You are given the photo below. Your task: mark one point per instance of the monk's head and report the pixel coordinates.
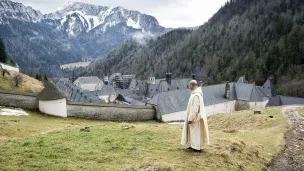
(193, 85)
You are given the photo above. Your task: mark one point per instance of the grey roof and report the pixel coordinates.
(261, 91)
(285, 100)
(133, 84)
(77, 94)
(64, 80)
(233, 95)
(137, 103)
(247, 92)
(269, 89)
(51, 92)
(274, 101)
(214, 94)
(176, 84)
(241, 80)
(88, 80)
(154, 100)
(151, 90)
(125, 92)
(106, 90)
(157, 81)
(172, 101)
(177, 100)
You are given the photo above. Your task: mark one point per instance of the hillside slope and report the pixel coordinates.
(26, 83)
(255, 38)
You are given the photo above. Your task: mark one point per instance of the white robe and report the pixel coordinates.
(195, 134)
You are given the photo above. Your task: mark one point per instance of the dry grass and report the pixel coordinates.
(75, 65)
(302, 112)
(239, 141)
(28, 84)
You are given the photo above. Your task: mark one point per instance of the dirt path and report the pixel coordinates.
(292, 158)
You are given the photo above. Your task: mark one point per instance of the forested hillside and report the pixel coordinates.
(252, 38)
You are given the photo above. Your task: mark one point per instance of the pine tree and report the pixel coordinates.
(45, 78)
(3, 55)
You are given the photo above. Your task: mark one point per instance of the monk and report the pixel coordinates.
(195, 131)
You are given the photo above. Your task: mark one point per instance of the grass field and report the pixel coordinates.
(27, 83)
(75, 65)
(239, 141)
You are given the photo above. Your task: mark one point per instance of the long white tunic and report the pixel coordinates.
(195, 134)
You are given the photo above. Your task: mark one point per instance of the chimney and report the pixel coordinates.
(193, 77)
(227, 90)
(106, 80)
(168, 75)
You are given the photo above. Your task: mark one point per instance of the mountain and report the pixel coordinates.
(73, 32)
(252, 38)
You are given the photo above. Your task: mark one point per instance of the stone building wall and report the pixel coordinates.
(110, 112)
(18, 99)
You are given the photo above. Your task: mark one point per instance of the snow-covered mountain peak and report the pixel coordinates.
(78, 17)
(15, 10)
(70, 7)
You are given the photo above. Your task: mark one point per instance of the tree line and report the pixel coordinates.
(257, 39)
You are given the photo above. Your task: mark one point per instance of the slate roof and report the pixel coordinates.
(75, 93)
(269, 89)
(88, 80)
(177, 100)
(151, 90)
(171, 101)
(247, 92)
(274, 101)
(241, 80)
(106, 90)
(137, 103)
(214, 94)
(176, 84)
(133, 84)
(51, 92)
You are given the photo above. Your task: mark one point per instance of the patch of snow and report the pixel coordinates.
(91, 20)
(104, 14)
(132, 23)
(4, 111)
(176, 123)
(108, 25)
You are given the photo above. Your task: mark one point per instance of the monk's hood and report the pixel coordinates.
(198, 91)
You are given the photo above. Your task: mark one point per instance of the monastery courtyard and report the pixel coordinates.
(239, 141)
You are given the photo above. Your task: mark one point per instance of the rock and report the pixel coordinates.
(124, 128)
(86, 129)
(257, 112)
(270, 116)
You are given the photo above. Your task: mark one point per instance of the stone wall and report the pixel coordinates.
(82, 110)
(110, 112)
(18, 99)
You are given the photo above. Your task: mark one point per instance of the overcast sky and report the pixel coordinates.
(169, 13)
